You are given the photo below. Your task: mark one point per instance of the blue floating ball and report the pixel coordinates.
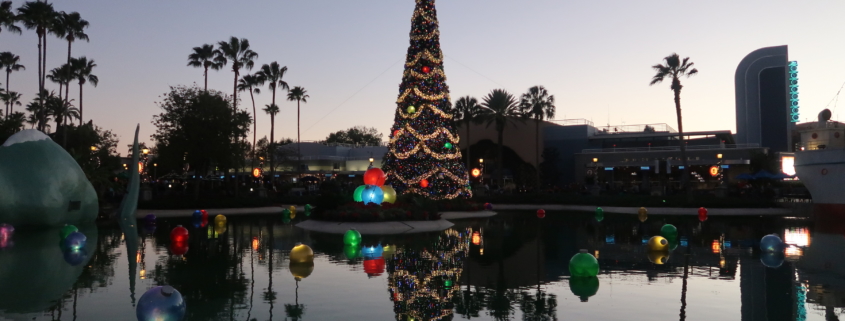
(75, 257)
(772, 259)
(161, 303)
(150, 219)
(771, 243)
(372, 194)
(197, 222)
(75, 241)
(371, 252)
(197, 215)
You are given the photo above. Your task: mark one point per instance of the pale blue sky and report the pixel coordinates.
(594, 56)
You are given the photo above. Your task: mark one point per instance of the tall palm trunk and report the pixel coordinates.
(298, 142)
(685, 178)
(40, 87)
(67, 98)
(205, 73)
(499, 175)
(537, 149)
(469, 142)
(8, 104)
(272, 149)
(80, 103)
(234, 112)
(254, 125)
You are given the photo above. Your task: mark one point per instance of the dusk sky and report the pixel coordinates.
(594, 56)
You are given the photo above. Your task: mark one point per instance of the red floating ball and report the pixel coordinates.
(204, 215)
(424, 183)
(426, 69)
(374, 176)
(541, 213)
(179, 248)
(179, 234)
(702, 214)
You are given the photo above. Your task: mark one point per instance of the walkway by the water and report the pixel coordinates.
(651, 211)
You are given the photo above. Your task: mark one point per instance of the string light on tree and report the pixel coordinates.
(423, 156)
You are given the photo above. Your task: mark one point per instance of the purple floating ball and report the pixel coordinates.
(161, 303)
(150, 219)
(75, 241)
(75, 257)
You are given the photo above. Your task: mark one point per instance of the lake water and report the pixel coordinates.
(510, 267)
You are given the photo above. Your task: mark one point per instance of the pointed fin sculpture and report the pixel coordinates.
(127, 219)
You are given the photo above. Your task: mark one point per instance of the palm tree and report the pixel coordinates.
(62, 76)
(9, 61)
(71, 26)
(674, 69)
(273, 74)
(539, 105)
(272, 110)
(467, 111)
(82, 68)
(8, 18)
(297, 94)
(61, 110)
(32, 120)
(42, 17)
(17, 120)
(251, 83)
(11, 98)
(39, 110)
(203, 57)
(241, 56)
(500, 107)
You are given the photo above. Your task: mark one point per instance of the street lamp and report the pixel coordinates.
(155, 171)
(481, 164)
(371, 163)
(595, 171)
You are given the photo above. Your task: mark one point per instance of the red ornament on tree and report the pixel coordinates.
(395, 133)
(541, 213)
(702, 214)
(374, 176)
(424, 183)
(426, 69)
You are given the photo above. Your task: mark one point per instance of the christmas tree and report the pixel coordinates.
(424, 156)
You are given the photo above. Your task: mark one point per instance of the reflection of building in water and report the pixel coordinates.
(422, 282)
(823, 268)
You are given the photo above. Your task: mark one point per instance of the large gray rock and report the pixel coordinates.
(41, 184)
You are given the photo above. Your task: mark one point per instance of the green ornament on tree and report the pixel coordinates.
(411, 109)
(583, 264)
(352, 237)
(448, 145)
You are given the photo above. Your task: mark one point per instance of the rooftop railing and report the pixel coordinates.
(638, 128)
(669, 148)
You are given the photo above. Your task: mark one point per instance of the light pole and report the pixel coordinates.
(155, 171)
(371, 163)
(481, 164)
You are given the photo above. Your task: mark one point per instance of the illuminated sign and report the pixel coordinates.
(476, 172)
(140, 167)
(787, 165)
(793, 91)
(256, 172)
(714, 170)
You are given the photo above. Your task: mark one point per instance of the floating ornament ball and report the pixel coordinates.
(204, 214)
(669, 231)
(424, 183)
(599, 214)
(541, 213)
(179, 248)
(75, 257)
(584, 287)
(301, 253)
(772, 259)
(372, 194)
(286, 219)
(75, 241)
(150, 219)
(447, 145)
(161, 303)
(658, 243)
(374, 176)
(285, 213)
(411, 109)
(389, 194)
(352, 237)
(179, 234)
(373, 251)
(220, 220)
(197, 215)
(66, 230)
(301, 270)
(642, 214)
(197, 222)
(771, 243)
(426, 69)
(356, 196)
(583, 264)
(6, 232)
(702, 214)
(220, 228)
(658, 257)
(292, 210)
(374, 266)
(308, 208)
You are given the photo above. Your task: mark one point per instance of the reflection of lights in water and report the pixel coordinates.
(476, 238)
(722, 262)
(793, 252)
(255, 244)
(715, 246)
(597, 254)
(481, 251)
(138, 257)
(797, 236)
(143, 274)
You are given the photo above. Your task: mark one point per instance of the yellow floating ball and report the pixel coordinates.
(389, 194)
(658, 257)
(220, 228)
(642, 214)
(292, 211)
(658, 243)
(220, 220)
(301, 253)
(301, 270)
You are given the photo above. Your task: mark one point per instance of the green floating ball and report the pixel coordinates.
(584, 287)
(352, 251)
(583, 264)
(448, 145)
(599, 214)
(669, 231)
(286, 213)
(66, 230)
(356, 196)
(308, 209)
(352, 237)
